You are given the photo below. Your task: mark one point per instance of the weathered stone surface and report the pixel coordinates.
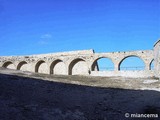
(157, 58)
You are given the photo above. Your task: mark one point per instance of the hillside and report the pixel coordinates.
(30, 96)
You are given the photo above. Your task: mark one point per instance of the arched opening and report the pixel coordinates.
(22, 66)
(78, 67)
(9, 65)
(151, 66)
(42, 67)
(102, 64)
(58, 67)
(132, 63)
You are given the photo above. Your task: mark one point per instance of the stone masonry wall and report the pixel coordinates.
(84, 62)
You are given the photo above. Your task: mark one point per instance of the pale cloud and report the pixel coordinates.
(43, 42)
(44, 39)
(46, 36)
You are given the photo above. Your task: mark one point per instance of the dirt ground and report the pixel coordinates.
(30, 96)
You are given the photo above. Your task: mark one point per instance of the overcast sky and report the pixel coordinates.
(46, 26)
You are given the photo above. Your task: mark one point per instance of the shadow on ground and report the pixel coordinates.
(24, 98)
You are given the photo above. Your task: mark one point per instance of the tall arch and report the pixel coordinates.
(78, 67)
(151, 65)
(131, 62)
(9, 65)
(41, 67)
(58, 67)
(102, 63)
(22, 66)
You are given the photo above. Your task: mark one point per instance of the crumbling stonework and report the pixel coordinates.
(84, 63)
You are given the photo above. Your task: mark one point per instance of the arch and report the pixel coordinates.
(41, 67)
(151, 65)
(22, 66)
(78, 67)
(100, 63)
(58, 67)
(132, 62)
(9, 65)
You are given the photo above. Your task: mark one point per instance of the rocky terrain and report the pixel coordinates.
(31, 96)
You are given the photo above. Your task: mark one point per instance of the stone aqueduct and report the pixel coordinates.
(84, 63)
